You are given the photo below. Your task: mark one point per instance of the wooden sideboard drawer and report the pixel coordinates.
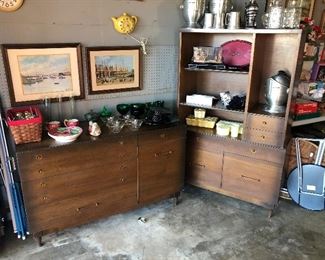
(89, 179)
(204, 168)
(264, 137)
(251, 180)
(162, 136)
(266, 123)
(67, 160)
(82, 209)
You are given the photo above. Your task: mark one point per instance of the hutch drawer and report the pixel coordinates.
(207, 143)
(251, 179)
(264, 137)
(266, 123)
(257, 151)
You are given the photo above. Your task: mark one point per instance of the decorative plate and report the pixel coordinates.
(65, 134)
(236, 53)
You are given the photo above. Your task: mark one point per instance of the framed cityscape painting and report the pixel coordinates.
(38, 71)
(113, 69)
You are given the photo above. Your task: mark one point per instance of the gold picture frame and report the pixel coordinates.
(113, 69)
(36, 71)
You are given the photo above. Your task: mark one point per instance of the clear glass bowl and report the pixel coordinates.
(115, 125)
(135, 124)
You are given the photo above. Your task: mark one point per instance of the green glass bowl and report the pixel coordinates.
(123, 109)
(137, 109)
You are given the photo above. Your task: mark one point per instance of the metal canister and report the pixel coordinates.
(193, 10)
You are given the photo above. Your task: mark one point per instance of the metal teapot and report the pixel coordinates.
(276, 92)
(125, 23)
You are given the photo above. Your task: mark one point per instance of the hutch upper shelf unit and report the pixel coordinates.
(248, 167)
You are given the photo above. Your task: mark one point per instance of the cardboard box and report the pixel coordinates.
(201, 100)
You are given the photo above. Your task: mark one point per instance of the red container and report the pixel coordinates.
(25, 130)
(305, 107)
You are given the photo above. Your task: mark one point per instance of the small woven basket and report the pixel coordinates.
(25, 130)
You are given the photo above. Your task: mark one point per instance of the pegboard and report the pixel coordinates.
(159, 78)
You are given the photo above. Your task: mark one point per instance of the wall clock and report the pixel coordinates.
(10, 5)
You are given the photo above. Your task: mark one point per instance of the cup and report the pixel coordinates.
(234, 131)
(52, 125)
(71, 122)
(208, 20)
(218, 21)
(233, 20)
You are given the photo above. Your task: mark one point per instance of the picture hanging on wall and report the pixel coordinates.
(36, 71)
(113, 69)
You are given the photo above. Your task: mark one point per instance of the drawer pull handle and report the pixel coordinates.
(78, 209)
(38, 157)
(263, 137)
(97, 204)
(253, 150)
(40, 171)
(43, 185)
(123, 167)
(199, 165)
(250, 178)
(264, 122)
(170, 152)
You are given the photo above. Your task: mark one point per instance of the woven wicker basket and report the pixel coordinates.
(28, 130)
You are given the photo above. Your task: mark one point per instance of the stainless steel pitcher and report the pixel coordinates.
(220, 6)
(193, 10)
(233, 20)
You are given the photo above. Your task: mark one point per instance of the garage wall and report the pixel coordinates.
(89, 22)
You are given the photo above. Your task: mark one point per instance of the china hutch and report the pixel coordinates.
(249, 167)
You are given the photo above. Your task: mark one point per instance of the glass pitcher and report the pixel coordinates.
(275, 14)
(292, 15)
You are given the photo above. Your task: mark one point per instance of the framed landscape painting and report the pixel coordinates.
(113, 69)
(36, 71)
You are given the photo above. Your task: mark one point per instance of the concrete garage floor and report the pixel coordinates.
(204, 225)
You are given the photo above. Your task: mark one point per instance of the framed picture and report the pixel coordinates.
(36, 71)
(113, 69)
(318, 72)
